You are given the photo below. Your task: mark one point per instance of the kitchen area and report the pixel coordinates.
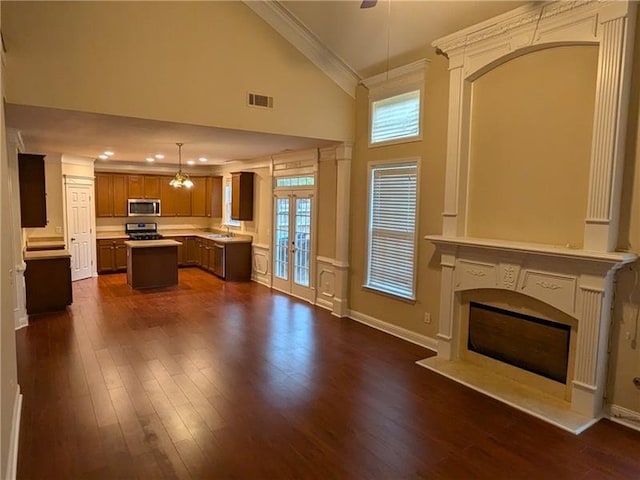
(143, 226)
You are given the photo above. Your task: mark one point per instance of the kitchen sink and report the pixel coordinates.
(218, 235)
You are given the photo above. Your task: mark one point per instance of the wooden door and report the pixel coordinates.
(191, 250)
(199, 197)
(104, 195)
(120, 255)
(106, 262)
(79, 238)
(120, 195)
(152, 186)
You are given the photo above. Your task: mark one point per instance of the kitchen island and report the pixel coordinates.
(152, 263)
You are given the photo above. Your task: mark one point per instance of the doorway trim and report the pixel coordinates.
(77, 180)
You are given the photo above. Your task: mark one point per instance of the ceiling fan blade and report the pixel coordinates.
(368, 3)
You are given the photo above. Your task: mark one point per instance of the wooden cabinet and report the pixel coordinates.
(144, 186)
(48, 284)
(111, 195)
(242, 196)
(112, 256)
(236, 261)
(214, 197)
(175, 202)
(181, 250)
(199, 197)
(33, 199)
(191, 252)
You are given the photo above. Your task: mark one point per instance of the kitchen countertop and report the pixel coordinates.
(45, 243)
(180, 233)
(46, 254)
(151, 243)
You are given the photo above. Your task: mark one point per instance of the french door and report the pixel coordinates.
(293, 243)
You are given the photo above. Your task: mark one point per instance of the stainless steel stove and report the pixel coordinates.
(142, 231)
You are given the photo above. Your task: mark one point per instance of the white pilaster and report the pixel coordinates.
(341, 265)
(447, 349)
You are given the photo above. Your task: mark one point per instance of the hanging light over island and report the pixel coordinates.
(181, 179)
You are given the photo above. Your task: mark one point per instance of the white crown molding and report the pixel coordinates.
(294, 31)
(77, 160)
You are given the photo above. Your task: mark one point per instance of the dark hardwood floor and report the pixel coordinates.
(232, 381)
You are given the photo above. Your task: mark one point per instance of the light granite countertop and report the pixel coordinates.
(182, 233)
(45, 243)
(151, 243)
(46, 254)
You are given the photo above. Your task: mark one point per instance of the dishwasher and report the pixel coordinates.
(218, 260)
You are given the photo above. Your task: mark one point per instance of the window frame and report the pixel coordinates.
(371, 166)
(388, 94)
(227, 221)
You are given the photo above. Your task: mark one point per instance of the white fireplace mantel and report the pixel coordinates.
(578, 282)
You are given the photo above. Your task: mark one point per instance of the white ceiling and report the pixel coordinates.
(360, 37)
(357, 36)
(48, 130)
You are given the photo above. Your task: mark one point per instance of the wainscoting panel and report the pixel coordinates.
(261, 264)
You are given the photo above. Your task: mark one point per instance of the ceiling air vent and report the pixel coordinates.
(262, 101)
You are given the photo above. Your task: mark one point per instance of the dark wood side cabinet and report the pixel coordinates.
(214, 197)
(48, 281)
(242, 196)
(33, 197)
(112, 255)
(236, 261)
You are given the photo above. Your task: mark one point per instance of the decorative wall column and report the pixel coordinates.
(341, 265)
(15, 146)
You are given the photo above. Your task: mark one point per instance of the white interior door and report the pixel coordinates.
(293, 245)
(79, 230)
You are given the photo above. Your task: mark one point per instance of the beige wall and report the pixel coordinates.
(327, 191)
(432, 150)
(187, 62)
(532, 120)
(8, 370)
(55, 209)
(625, 356)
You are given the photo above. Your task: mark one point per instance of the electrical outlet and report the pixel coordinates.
(427, 317)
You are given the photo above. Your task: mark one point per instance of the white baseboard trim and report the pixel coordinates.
(261, 280)
(14, 442)
(624, 416)
(21, 320)
(396, 331)
(324, 303)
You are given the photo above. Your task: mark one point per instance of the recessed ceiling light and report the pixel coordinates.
(103, 156)
(202, 159)
(151, 159)
(191, 162)
(159, 156)
(108, 153)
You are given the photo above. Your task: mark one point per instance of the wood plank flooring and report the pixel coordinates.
(233, 381)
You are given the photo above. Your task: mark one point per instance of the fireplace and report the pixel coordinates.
(577, 282)
(531, 343)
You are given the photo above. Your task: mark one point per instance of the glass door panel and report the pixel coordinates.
(302, 242)
(281, 260)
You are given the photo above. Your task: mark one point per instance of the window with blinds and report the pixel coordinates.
(396, 117)
(391, 253)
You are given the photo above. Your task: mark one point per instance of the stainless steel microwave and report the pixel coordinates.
(143, 207)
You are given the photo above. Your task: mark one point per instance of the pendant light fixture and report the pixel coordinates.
(181, 179)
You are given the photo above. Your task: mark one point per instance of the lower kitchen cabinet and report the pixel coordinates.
(47, 281)
(181, 250)
(112, 256)
(233, 261)
(191, 252)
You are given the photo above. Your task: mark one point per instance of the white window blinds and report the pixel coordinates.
(392, 229)
(396, 117)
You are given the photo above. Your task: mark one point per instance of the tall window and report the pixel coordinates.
(396, 118)
(227, 205)
(391, 252)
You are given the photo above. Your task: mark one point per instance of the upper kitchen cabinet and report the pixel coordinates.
(199, 197)
(144, 186)
(33, 201)
(111, 195)
(175, 202)
(214, 197)
(242, 196)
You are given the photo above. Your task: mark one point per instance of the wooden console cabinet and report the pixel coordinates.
(48, 281)
(33, 197)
